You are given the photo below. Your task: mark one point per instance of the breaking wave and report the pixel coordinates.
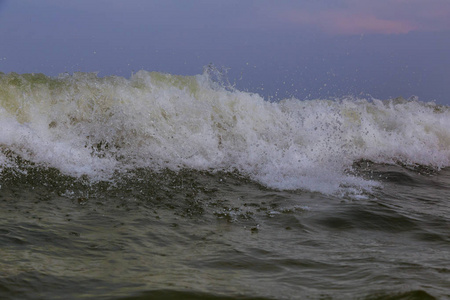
(101, 127)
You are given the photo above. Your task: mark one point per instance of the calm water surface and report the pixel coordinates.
(194, 235)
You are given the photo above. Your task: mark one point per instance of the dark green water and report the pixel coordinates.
(194, 235)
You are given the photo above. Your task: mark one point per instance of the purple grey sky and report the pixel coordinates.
(306, 48)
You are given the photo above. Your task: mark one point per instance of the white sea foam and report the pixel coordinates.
(83, 124)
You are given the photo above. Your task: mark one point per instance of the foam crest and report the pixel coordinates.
(82, 124)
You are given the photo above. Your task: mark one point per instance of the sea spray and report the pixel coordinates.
(85, 125)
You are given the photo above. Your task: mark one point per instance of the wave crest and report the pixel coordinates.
(82, 124)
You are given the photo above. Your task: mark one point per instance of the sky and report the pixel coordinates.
(306, 48)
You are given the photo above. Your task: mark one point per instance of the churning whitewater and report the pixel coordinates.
(85, 125)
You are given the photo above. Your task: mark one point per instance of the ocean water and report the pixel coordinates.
(181, 187)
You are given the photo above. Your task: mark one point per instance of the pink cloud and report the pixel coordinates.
(341, 22)
(350, 17)
(368, 16)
